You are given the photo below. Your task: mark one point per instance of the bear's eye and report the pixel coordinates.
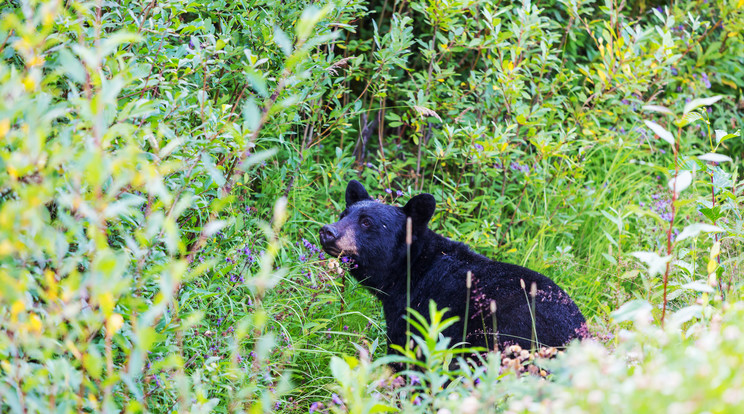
(365, 222)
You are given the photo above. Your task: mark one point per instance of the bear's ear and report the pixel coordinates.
(420, 209)
(355, 192)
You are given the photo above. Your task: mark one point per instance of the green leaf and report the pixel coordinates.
(655, 264)
(310, 17)
(688, 118)
(93, 363)
(697, 103)
(114, 40)
(382, 408)
(695, 229)
(71, 66)
(630, 274)
(723, 136)
(632, 310)
(251, 115)
(658, 108)
(713, 157)
(713, 214)
(212, 169)
(341, 371)
(680, 182)
(213, 227)
(281, 40)
(686, 314)
(257, 158)
(610, 259)
(698, 286)
(170, 232)
(201, 96)
(257, 82)
(660, 131)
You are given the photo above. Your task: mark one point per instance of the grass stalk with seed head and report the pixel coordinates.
(409, 241)
(530, 303)
(533, 303)
(495, 326)
(468, 282)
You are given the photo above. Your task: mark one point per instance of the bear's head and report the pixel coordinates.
(373, 234)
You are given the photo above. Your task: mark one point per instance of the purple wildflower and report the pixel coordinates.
(706, 81)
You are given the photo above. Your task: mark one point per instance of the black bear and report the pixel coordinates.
(374, 234)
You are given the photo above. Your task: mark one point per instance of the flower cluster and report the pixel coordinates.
(660, 206)
(515, 166)
(703, 79)
(312, 250)
(398, 193)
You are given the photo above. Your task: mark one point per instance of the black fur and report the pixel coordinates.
(373, 235)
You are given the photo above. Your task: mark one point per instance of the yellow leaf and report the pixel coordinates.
(35, 61)
(29, 83)
(6, 248)
(51, 284)
(4, 127)
(715, 250)
(113, 324)
(106, 300)
(602, 76)
(18, 307)
(35, 323)
(509, 66)
(12, 172)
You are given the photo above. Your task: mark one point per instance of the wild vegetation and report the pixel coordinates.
(165, 167)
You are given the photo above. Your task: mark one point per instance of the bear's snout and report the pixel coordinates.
(328, 234)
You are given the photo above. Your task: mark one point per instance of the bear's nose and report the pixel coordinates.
(328, 234)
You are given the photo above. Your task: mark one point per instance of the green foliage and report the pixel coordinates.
(165, 167)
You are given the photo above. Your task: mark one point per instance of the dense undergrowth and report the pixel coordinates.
(165, 167)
